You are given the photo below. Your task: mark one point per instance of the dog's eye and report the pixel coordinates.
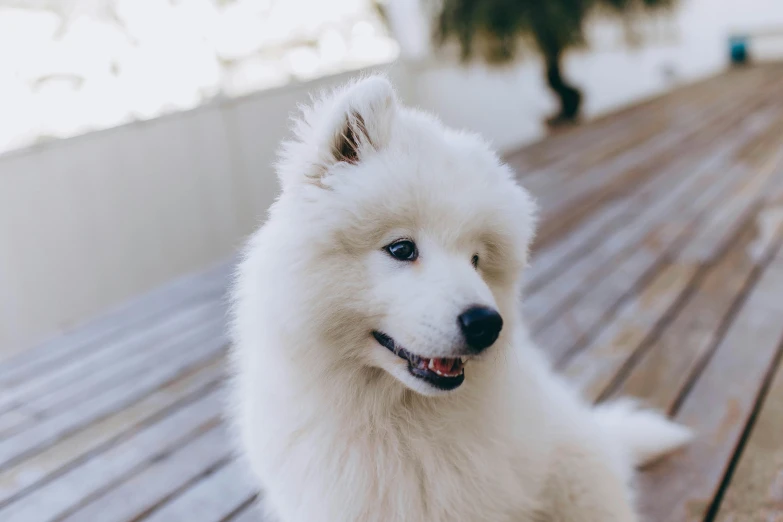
(475, 261)
(404, 250)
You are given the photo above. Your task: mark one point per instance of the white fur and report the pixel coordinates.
(334, 426)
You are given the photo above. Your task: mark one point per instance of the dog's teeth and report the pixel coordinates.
(431, 366)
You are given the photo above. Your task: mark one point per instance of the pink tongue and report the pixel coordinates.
(446, 366)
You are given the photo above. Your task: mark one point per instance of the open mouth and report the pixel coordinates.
(440, 372)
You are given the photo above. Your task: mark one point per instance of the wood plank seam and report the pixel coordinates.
(113, 484)
(145, 343)
(46, 355)
(125, 435)
(649, 340)
(33, 446)
(210, 470)
(698, 278)
(734, 310)
(8, 378)
(617, 120)
(677, 244)
(26, 443)
(247, 506)
(647, 362)
(123, 460)
(551, 230)
(737, 305)
(714, 508)
(132, 368)
(654, 213)
(681, 489)
(648, 275)
(52, 463)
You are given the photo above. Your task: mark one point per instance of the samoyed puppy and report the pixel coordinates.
(383, 371)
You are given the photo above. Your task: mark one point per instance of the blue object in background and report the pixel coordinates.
(738, 49)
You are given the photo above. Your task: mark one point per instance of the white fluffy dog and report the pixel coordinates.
(383, 369)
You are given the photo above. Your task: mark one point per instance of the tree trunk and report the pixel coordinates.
(570, 97)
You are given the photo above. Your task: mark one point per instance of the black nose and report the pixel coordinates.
(480, 326)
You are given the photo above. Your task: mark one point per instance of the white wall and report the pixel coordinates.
(88, 222)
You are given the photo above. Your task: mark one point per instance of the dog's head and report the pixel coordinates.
(400, 242)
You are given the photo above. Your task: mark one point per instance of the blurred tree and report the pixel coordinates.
(495, 30)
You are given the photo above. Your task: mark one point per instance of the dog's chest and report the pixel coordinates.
(402, 475)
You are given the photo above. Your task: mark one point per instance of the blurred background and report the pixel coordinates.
(136, 136)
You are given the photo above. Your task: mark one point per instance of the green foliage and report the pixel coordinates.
(495, 29)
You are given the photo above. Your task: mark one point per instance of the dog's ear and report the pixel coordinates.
(346, 126)
(362, 120)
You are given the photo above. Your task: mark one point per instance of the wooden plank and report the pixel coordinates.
(594, 367)
(614, 152)
(592, 307)
(12, 421)
(595, 306)
(551, 259)
(575, 161)
(577, 202)
(557, 145)
(557, 191)
(216, 497)
(95, 438)
(47, 432)
(542, 304)
(681, 489)
(666, 366)
(588, 233)
(126, 318)
(560, 198)
(68, 491)
(720, 223)
(151, 356)
(755, 492)
(671, 104)
(251, 513)
(667, 363)
(116, 352)
(162, 480)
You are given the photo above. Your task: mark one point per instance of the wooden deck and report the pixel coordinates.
(658, 273)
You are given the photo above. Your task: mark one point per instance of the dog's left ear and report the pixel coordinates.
(362, 120)
(345, 126)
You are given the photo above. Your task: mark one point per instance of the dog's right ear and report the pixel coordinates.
(345, 126)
